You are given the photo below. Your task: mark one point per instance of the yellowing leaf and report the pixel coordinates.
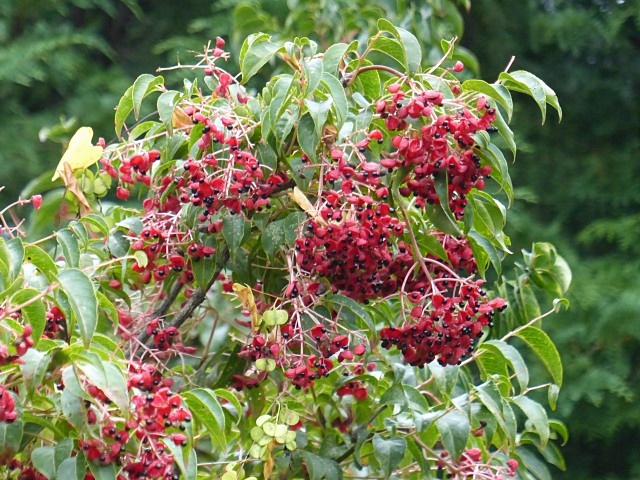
(303, 202)
(81, 153)
(245, 295)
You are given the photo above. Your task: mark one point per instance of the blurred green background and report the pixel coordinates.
(66, 61)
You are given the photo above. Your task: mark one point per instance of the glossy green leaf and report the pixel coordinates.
(362, 316)
(483, 251)
(533, 464)
(32, 310)
(495, 92)
(82, 297)
(313, 69)
(560, 428)
(536, 415)
(132, 98)
(412, 50)
(544, 349)
(69, 245)
(489, 396)
(515, 360)
(143, 86)
(339, 106)
(389, 452)
(454, 428)
(256, 51)
(231, 400)
(205, 407)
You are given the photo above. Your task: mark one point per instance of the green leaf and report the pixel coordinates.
(34, 367)
(340, 106)
(483, 250)
(319, 112)
(233, 232)
(454, 428)
(143, 86)
(43, 461)
(394, 396)
(536, 415)
(389, 452)
(558, 427)
(332, 58)
(12, 255)
(204, 405)
(544, 349)
(320, 467)
(70, 249)
(513, 356)
(412, 50)
(103, 472)
(496, 92)
(43, 262)
(232, 400)
(73, 468)
(47, 459)
(307, 137)
(132, 98)
(489, 396)
(313, 69)
(533, 464)
(166, 105)
(34, 312)
(82, 298)
(357, 309)
(106, 376)
(256, 51)
(527, 83)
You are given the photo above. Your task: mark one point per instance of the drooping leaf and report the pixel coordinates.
(536, 415)
(82, 297)
(545, 350)
(32, 310)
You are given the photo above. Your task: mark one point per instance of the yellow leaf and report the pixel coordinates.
(303, 202)
(81, 153)
(245, 295)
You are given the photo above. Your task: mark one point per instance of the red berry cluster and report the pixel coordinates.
(443, 146)
(167, 253)
(165, 338)
(157, 414)
(352, 248)
(7, 406)
(232, 179)
(132, 170)
(445, 329)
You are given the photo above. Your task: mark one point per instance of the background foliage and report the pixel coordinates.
(579, 176)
